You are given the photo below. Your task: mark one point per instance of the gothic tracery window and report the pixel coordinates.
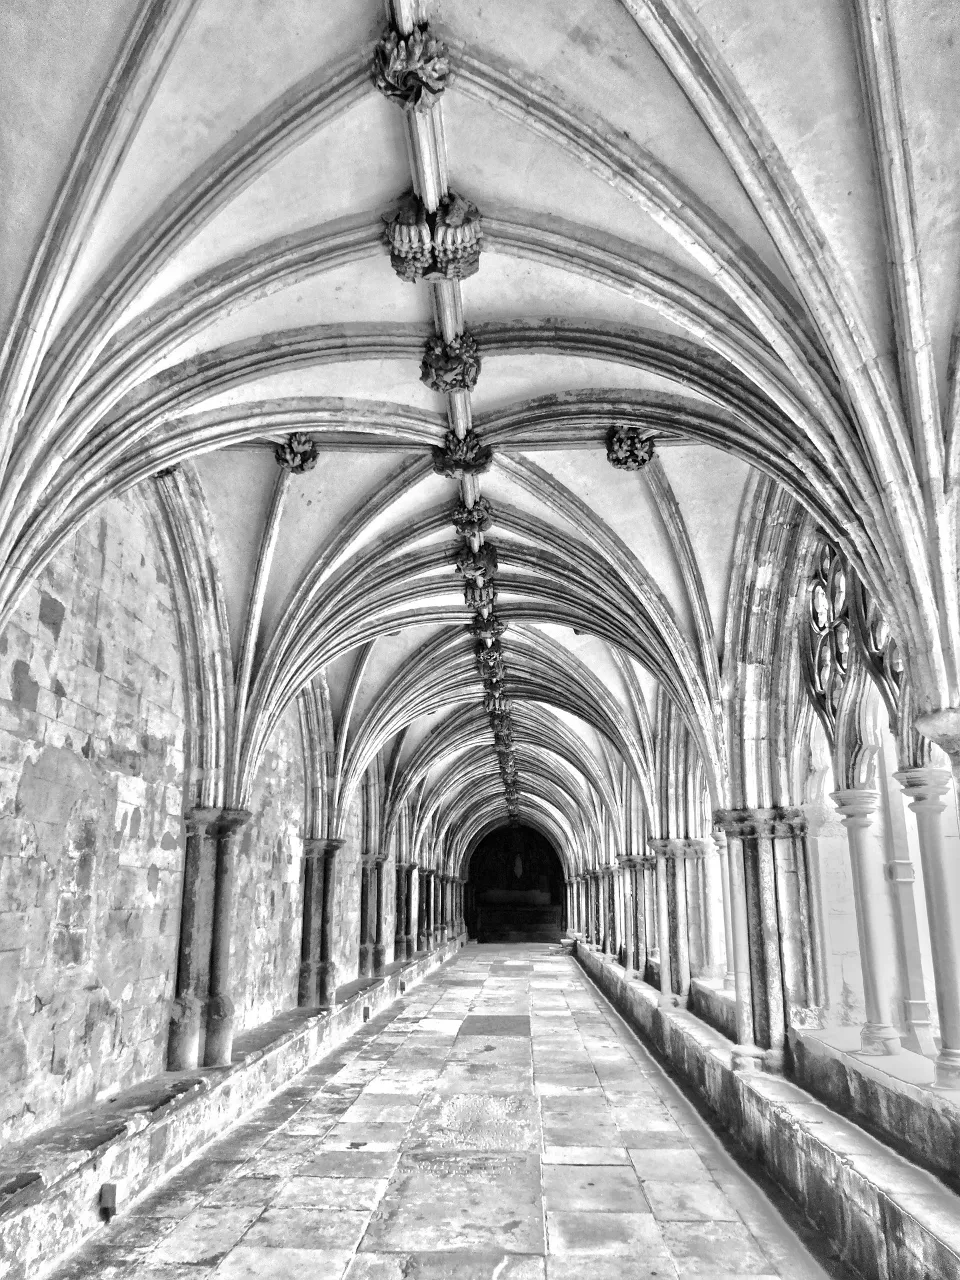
(828, 632)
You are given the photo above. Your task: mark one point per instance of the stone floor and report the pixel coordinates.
(498, 1122)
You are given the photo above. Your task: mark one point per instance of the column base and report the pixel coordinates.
(221, 1016)
(747, 1057)
(379, 961)
(186, 1021)
(878, 1041)
(947, 1066)
(366, 960)
(328, 984)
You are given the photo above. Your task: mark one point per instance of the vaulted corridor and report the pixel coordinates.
(500, 1122)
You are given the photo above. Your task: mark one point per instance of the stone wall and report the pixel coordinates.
(269, 884)
(91, 770)
(346, 909)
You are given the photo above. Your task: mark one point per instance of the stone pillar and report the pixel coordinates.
(218, 1048)
(941, 883)
(409, 916)
(675, 854)
(193, 955)
(629, 899)
(857, 809)
(399, 913)
(648, 879)
(423, 920)
(720, 839)
(714, 959)
(435, 908)
(606, 911)
(308, 993)
(771, 847)
(690, 878)
(329, 977)
(659, 848)
(445, 912)
(365, 964)
(380, 902)
(901, 879)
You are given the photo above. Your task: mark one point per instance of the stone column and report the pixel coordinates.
(690, 877)
(770, 846)
(365, 964)
(648, 878)
(329, 977)
(628, 894)
(218, 1048)
(399, 913)
(607, 910)
(675, 853)
(659, 848)
(409, 918)
(857, 809)
(193, 955)
(713, 955)
(941, 883)
(308, 994)
(720, 839)
(380, 900)
(422, 911)
(445, 913)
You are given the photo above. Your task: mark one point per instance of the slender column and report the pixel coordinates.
(857, 809)
(689, 878)
(629, 949)
(606, 914)
(941, 883)
(187, 1014)
(380, 900)
(677, 907)
(648, 872)
(659, 848)
(409, 916)
(714, 962)
(435, 907)
(308, 994)
(399, 912)
(221, 1012)
(901, 878)
(365, 965)
(771, 849)
(422, 914)
(720, 839)
(329, 978)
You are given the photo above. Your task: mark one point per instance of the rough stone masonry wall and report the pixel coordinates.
(269, 884)
(91, 846)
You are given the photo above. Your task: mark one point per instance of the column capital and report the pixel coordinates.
(660, 848)
(856, 806)
(924, 787)
(231, 820)
(771, 823)
(200, 819)
(628, 859)
(694, 848)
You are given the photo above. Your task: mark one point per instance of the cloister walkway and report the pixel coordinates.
(500, 1121)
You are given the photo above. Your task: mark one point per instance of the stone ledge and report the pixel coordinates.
(53, 1182)
(885, 1216)
(710, 1001)
(921, 1122)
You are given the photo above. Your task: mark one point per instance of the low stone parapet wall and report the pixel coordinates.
(50, 1187)
(885, 1216)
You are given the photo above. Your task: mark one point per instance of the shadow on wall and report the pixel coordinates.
(514, 888)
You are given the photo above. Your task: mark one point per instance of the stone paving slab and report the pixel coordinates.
(464, 1139)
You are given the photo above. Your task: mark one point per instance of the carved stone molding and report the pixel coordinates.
(774, 823)
(450, 366)
(456, 455)
(480, 596)
(488, 630)
(297, 454)
(490, 662)
(495, 701)
(476, 519)
(478, 566)
(411, 70)
(628, 448)
(444, 245)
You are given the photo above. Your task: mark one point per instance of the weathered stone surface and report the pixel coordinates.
(91, 769)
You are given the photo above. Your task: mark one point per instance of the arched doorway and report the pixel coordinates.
(515, 888)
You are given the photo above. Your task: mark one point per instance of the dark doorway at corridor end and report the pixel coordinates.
(515, 888)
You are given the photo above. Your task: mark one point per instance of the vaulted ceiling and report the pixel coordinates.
(711, 225)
